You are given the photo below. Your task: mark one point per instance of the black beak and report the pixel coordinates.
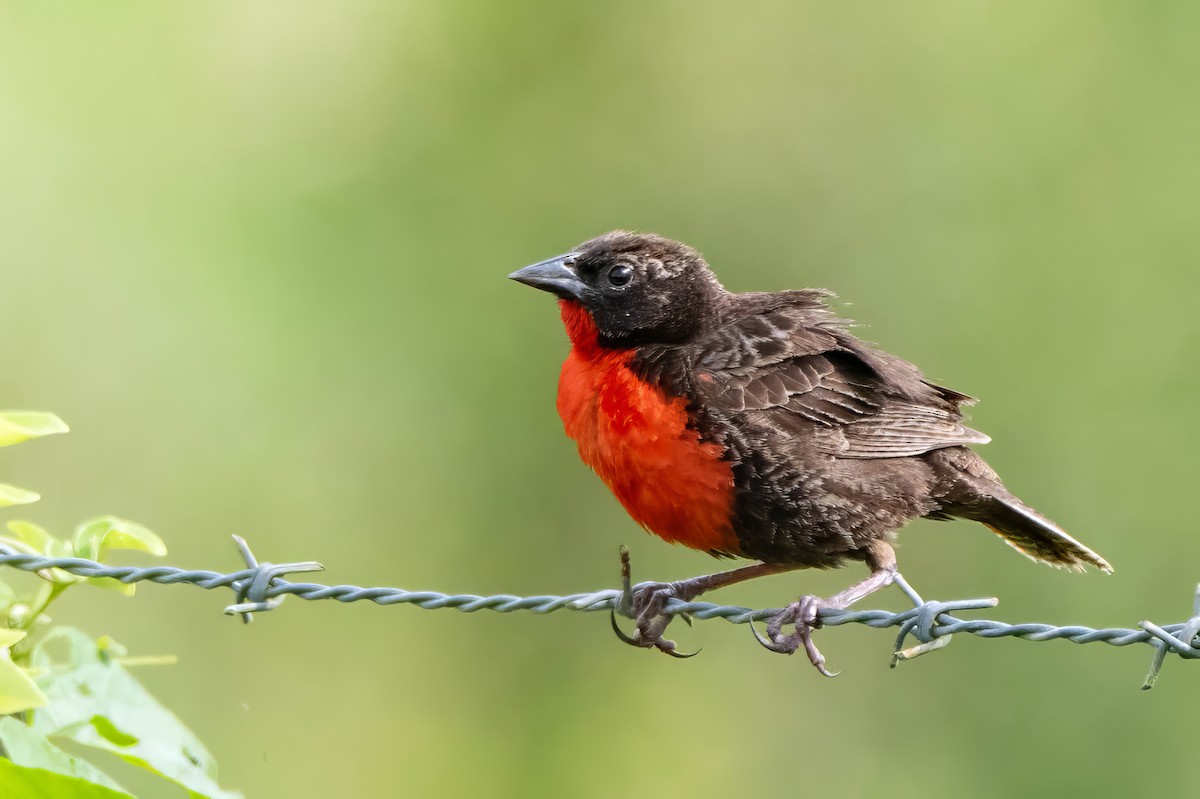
(555, 276)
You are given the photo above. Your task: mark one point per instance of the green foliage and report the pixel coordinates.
(18, 426)
(83, 694)
(18, 692)
(11, 495)
(34, 750)
(22, 782)
(93, 540)
(95, 701)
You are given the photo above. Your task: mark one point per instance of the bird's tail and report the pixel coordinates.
(1032, 534)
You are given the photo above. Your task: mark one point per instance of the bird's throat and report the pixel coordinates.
(582, 331)
(637, 438)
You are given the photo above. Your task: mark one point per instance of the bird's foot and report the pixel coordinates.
(644, 603)
(803, 617)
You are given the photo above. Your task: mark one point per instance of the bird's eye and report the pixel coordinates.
(620, 275)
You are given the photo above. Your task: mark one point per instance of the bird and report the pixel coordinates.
(756, 425)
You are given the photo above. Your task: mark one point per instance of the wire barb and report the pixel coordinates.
(1182, 643)
(252, 594)
(260, 587)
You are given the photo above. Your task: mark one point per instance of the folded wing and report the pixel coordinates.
(793, 361)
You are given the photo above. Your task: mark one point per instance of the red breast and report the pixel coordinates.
(638, 440)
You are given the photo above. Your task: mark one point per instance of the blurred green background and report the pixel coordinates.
(254, 253)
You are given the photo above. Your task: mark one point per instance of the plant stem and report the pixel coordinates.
(49, 592)
(47, 595)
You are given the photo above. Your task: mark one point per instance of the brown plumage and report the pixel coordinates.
(798, 444)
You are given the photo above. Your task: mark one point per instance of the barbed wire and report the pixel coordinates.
(260, 587)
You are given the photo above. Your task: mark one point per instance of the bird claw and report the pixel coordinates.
(662, 644)
(631, 640)
(782, 648)
(647, 605)
(802, 615)
(644, 603)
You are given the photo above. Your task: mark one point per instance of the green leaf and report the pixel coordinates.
(27, 537)
(96, 702)
(18, 426)
(10, 637)
(36, 539)
(27, 748)
(34, 783)
(11, 495)
(112, 584)
(17, 691)
(95, 537)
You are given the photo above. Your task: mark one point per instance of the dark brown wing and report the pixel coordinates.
(787, 355)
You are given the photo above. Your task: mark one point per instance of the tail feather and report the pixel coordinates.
(1032, 534)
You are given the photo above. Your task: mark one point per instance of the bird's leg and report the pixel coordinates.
(645, 602)
(804, 616)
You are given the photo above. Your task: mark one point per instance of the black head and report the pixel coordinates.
(639, 288)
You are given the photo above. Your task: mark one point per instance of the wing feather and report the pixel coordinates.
(796, 360)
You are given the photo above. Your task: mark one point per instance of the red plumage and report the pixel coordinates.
(639, 441)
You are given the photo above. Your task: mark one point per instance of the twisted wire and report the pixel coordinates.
(260, 587)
